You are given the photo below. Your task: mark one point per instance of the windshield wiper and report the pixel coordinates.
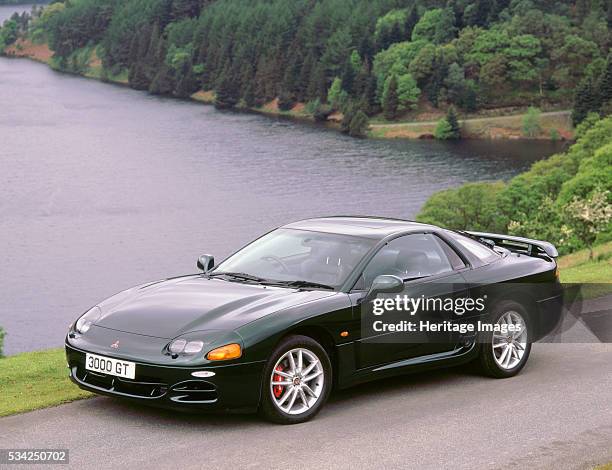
(262, 280)
(243, 276)
(300, 283)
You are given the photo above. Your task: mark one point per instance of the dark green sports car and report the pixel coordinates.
(314, 304)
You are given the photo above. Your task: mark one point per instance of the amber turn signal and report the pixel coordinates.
(229, 351)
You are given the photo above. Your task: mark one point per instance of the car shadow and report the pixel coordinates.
(340, 400)
(406, 382)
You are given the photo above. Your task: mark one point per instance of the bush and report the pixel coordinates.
(336, 96)
(554, 135)
(318, 110)
(312, 106)
(348, 113)
(443, 130)
(448, 127)
(473, 206)
(453, 120)
(359, 124)
(321, 113)
(586, 124)
(2, 335)
(531, 122)
(589, 217)
(286, 101)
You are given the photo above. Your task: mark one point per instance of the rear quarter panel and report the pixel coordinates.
(530, 281)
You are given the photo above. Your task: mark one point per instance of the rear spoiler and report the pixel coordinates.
(519, 244)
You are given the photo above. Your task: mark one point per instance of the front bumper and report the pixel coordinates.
(233, 387)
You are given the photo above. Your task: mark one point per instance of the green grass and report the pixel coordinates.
(595, 273)
(606, 466)
(577, 267)
(475, 126)
(590, 272)
(34, 380)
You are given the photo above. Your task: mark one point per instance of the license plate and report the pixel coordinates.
(108, 365)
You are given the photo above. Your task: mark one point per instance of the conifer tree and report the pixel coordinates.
(249, 95)
(605, 84)
(584, 101)
(390, 101)
(347, 116)
(188, 84)
(453, 121)
(226, 94)
(359, 124)
(411, 20)
(138, 78)
(163, 82)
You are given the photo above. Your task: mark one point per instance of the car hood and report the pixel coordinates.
(167, 309)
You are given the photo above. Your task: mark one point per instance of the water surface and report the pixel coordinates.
(103, 187)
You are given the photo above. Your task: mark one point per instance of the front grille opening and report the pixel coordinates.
(140, 389)
(98, 380)
(194, 391)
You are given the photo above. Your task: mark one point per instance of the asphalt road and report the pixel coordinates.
(556, 414)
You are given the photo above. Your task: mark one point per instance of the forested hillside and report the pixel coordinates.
(377, 56)
(565, 199)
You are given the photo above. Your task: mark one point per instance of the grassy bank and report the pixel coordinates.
(595, 273)
(555, 124)
(34, 380)
(577, 267)
(90, 63)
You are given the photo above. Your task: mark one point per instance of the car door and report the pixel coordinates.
(431, 269)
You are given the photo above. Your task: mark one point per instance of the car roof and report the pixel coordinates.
(360, 226)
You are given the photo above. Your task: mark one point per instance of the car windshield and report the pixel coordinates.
(298, 256)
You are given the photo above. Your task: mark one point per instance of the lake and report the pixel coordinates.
(103, 187)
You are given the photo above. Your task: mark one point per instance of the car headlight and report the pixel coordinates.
(84, 323)
(182, 346)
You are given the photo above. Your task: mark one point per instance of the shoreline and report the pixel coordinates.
(555, 125)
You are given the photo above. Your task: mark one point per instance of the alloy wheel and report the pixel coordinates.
(509, 348)
(296, 382)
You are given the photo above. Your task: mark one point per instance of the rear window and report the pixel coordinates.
(477, 249)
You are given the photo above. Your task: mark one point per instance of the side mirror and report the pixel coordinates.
(385, 284)
(206, 262)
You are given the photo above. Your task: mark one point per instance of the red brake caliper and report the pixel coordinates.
(278, 389)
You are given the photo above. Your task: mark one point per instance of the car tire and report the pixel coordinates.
(301, 391)
(503, 356)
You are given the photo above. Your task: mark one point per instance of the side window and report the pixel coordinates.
(477, 249)
(410, 256)
(455, 260)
